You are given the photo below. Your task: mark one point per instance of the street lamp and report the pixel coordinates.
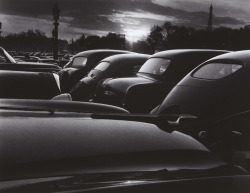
(0, 28)
(56, 13)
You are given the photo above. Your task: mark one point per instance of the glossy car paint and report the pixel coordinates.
(120, 65)
(48, 149)
(71, 75)
(130, 92)
(204, 97)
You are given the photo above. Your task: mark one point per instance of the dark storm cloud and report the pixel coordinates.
(109, 15)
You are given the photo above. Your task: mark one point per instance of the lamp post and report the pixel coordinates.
(0, 28)
(56, 12)
(53, 42)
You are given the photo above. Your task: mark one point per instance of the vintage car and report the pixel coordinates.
(81, 64)
(153, 81)
(121, 65)
(218, 86)
(49, 148)
(7, 62)
(28, 85)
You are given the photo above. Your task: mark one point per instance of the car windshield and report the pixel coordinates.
(213, 71)
(156, 66)
(102, 66)
(79, 62)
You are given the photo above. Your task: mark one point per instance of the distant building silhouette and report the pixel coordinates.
(210, 19)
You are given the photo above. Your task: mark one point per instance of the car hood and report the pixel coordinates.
(121, 85)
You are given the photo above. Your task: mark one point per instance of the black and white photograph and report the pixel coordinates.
(124, 96)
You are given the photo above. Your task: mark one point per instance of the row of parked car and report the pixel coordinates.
(113, 120)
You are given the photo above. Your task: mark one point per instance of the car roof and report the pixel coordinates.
(126, 57)
(172, 54)
(99, 51)
(243, 55)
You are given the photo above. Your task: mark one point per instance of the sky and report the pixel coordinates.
(134, 18)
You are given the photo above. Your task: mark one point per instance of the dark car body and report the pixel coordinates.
(45, 148)
(218, 86)
(121, 65)
(153, 81)
(7, 62)
(81, 64)
(28, 85)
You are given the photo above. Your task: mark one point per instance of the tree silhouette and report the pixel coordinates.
(155, 37)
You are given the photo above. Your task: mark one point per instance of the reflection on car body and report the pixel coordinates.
(154, 80)
(75, 151)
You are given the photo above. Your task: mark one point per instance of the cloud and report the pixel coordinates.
(222, 8)
(131, 17)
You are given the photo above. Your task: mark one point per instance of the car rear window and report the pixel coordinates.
(102, 66)
(214, 71)
(79, 62)
(156, 66)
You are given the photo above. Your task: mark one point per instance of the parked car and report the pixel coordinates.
(81, 64)
(7, 62)
(121, 65)
(218, 86)
(28, 85)
(46, 150)
(153, 81)
(226, 135)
